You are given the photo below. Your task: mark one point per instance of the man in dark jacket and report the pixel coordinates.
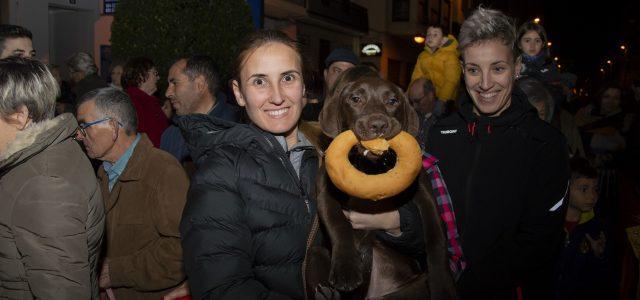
(507, 171)
(338, 61)
(193, 89)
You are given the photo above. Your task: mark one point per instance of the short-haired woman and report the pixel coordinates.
(51, 212)
(506, 170)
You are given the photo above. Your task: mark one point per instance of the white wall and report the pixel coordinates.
(70, 31)
(32, 14)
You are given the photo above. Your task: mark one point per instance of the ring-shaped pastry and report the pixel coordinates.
(378, 186)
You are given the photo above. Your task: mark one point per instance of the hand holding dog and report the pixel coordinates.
(387, 221)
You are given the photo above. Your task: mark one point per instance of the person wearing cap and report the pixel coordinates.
(338, 61)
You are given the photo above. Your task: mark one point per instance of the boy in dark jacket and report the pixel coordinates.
(583, 268)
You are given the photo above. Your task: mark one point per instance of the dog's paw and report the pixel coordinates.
(326, 293)
(346, 274)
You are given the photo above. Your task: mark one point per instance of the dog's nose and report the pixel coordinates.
(378, 126)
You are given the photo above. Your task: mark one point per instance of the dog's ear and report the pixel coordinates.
(330, 117)
(410, 121)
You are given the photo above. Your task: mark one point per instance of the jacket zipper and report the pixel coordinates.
(291, 171)
(297, 181)
(312, 235)
(472, 170)
(315, 225)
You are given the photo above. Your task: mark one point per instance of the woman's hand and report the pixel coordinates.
(387, 221)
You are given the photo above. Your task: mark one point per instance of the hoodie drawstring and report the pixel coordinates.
(471, 128)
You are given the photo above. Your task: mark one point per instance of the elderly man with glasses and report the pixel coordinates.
(144, 190)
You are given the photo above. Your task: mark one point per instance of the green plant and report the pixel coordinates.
(164, 30)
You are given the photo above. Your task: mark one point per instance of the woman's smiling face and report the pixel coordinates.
(489, 76)
(271, 88)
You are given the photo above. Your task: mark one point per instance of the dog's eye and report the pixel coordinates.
(392, 101)
(355, 99)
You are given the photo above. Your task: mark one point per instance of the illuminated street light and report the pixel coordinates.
(548, 44)
(418, 38)
(602, 70)
(536, 20)
(623, 47)
(555, 58)
(559, 66)
(608, 61)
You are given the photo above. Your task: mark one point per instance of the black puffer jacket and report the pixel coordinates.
(247, 215)
(542, 68)
(508, 176)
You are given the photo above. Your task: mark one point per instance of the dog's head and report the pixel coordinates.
(369, 106)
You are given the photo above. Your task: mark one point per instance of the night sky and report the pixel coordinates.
(583, 35)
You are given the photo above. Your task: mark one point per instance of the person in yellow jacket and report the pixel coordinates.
(439, 63)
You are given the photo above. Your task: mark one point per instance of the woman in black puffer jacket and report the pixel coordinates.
(245, 228)
(249, 211)
(249, 208)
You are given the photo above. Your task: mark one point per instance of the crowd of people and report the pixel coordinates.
(113, 189)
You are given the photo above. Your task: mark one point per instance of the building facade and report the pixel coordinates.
(384, 29)
(60, 27)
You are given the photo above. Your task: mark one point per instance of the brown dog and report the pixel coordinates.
(359, 266)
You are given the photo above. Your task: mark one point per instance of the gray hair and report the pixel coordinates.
(82, 62)
(116, 104)
(485, 25)
(27, 82)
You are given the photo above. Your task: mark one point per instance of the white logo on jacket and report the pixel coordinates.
(450, 131)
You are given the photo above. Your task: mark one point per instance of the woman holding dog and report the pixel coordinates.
(506, 170)
(245, 228)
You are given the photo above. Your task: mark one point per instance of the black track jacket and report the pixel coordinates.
(508, 178)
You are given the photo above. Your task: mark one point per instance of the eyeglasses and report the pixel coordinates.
(82, 127)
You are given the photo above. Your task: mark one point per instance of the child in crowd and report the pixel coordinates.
(583, 270)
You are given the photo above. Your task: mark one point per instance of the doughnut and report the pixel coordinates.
(377, 186)
(378, 145)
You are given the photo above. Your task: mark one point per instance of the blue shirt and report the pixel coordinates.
(115, 170)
